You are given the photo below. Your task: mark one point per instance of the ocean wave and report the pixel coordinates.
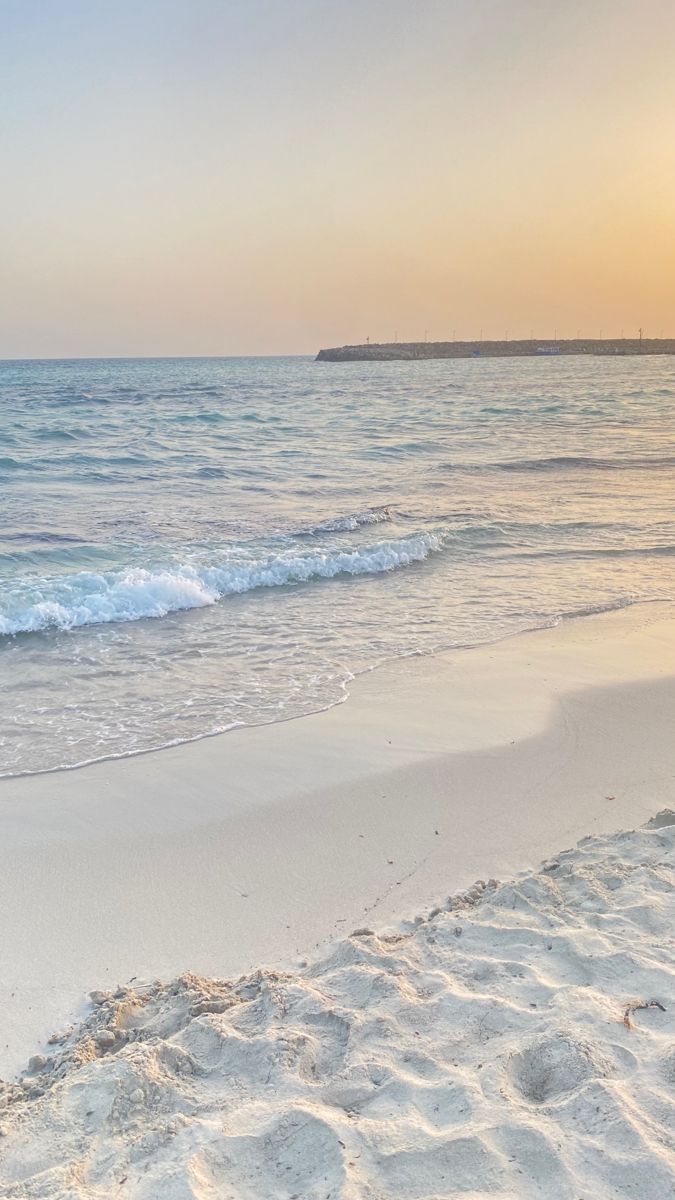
(211, 473)
(58, 435)
(584, 462)
(661, 550)
(562, 462)
(608, 606)
(346, 524)
(91, 598)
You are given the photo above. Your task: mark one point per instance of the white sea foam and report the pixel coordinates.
(88, 598)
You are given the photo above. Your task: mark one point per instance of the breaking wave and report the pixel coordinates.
(92, 598)
(346, 524)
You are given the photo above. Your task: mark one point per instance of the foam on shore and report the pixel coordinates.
(519, 1041)
(35, 603)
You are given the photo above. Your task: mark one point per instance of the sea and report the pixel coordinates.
(191, 545)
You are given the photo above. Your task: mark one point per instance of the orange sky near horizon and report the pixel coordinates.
(218, 178)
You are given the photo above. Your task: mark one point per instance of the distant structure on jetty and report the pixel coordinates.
(391, 351)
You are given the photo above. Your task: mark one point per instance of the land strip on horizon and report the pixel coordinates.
(386, 351)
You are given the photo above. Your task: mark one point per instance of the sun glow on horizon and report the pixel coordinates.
(213, 178)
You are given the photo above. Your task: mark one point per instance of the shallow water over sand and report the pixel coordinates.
(189, 545)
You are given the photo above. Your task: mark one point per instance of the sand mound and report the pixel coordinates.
(495, 1048)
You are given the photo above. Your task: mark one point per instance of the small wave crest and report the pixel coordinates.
(563, 462)
(596, 610)
(346, 524)
(35, 603)
(584, 462)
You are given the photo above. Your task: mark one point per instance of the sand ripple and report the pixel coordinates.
(485, 1050)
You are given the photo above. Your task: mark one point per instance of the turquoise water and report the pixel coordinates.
(188, 545)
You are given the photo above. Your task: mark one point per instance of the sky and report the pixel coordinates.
(272, 176)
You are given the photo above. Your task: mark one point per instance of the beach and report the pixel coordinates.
(262, 849)
(337, 602)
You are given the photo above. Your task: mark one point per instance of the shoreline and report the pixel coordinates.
(345, 685)
(220, 854)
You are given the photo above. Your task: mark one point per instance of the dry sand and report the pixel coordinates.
(270, 843)
(518, 1043)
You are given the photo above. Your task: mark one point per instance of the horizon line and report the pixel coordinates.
(54, 358)
(137, 357)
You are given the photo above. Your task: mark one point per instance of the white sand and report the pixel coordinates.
(489, 1051)
(269, 843)
(265, 843)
